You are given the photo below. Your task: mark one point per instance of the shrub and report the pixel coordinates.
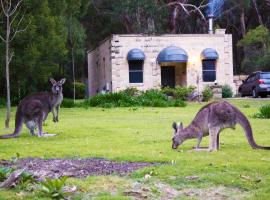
(182, 92)
(264, 112)
(168, 91)
(153, 98)
(80, 90)
(131, 91)
(227, 91)
(2, 103)
(110, 100)
(67, 103)
(207, 94)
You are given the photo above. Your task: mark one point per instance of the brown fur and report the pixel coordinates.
(211, 120)
(34, 109)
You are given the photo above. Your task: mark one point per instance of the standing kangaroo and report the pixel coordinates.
(34, 109)
(211, 120)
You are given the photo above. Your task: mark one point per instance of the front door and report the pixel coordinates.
(168, 76)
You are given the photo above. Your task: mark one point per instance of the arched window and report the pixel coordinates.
(135, 59)
(209, 59)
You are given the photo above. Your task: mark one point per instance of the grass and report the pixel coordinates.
(144, 134)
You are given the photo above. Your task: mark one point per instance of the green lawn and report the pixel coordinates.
(144, 134)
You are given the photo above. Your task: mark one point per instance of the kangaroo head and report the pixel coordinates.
(57, 85)
(178, 136)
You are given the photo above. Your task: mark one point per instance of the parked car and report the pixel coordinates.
(256, 84)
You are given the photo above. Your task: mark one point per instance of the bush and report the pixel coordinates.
(264, 112)
(2, 103)
(168, 91)
(153, 98)
(207, 94)
(182, 93)
(80, 90)
(68, 103)
(227, 91)
(131, 91)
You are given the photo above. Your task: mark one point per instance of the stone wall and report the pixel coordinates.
(237, 80)
(99, 68)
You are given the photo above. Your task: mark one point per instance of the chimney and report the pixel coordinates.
(210, 20)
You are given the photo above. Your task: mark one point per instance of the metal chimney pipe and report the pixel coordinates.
(210, 20)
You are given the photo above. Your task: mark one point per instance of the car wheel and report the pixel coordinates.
(263, 95)
(254, 93)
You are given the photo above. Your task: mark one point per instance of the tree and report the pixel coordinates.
(11, 12)
(256, 46)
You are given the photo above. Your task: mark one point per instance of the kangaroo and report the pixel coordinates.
(211, 120)
(34, 109)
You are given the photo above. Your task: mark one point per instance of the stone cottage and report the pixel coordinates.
(155, 61)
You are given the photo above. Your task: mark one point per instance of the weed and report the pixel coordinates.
(264, 112)
(54, 188)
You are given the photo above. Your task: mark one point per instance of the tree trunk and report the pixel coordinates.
(73, 73)
(257, 11)
(243, 23)
(7, 73)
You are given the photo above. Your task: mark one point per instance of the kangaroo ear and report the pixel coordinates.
(52, 81)
(181, 126)
(174, 125)
(62, 81)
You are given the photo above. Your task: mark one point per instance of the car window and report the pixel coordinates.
(249, 79)
(265, 75)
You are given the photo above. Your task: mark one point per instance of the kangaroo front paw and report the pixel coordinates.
(55, 119)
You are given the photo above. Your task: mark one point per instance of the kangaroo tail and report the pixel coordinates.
(243, 121)
(18, 126)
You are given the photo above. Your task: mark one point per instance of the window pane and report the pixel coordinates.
(209, 76)
(135, 65)
(136, 77)
(209, 65)
(265, 75)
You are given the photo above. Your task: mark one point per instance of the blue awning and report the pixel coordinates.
(135, 54)
(209, 54)
(172, 54)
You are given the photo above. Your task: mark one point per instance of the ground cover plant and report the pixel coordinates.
(143, 134)
(131, 97)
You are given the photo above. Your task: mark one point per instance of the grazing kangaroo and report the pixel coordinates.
(34, 109)
(211, 120)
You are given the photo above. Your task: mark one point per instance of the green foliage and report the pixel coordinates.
(264, 112)
(2, 102)
(131, 91)
(80, 90)
(5, 172)
(25, 181)
(68, 103)
(256, 46)
(182, 92)
(168, 91)
(207, 94)
(53, 188)
(152, 98)
(227, 91)
(178, 92)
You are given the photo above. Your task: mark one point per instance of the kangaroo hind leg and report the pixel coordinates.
(31, 125)
(214, 139)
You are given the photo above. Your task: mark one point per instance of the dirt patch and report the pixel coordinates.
(78, 168)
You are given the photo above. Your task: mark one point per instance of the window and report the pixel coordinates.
(209, 70)
(135, 71)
